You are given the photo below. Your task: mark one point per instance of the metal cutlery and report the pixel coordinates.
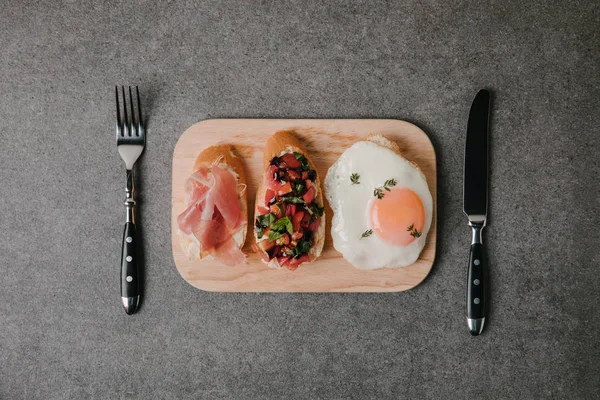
(475, 203)
(131, 140)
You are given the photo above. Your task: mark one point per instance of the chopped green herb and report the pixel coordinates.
(354, 179)
(273, 236)
(292, 200)
(282, 225)
(266, 220)
(314, 210)
(300, 157)
(303, 247)
(299, 187)
(317, 210)
(366, 234)
(259, 232)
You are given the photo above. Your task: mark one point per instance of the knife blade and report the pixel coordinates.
(475, 204)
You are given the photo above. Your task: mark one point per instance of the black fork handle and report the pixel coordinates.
(130, 289)
(130, 276)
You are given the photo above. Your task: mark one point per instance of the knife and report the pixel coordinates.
(475, 199)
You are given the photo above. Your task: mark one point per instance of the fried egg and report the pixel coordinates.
(382, 206)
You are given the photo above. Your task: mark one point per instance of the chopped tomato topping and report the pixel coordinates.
(297, 235)
(288, 183)
(296, 219)
(284, 189)
(315, 225)
(283, 261)
(295, 262)
(293, 175)
(262, 210)
(284, 240)
(305, 220)
(290, 210)
(274, 182)
(290, 161)
(309, 196)
(275, 210)
(269, 196)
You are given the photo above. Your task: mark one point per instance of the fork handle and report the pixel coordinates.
(130, 282)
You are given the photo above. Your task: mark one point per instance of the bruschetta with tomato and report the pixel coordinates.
(289, 218)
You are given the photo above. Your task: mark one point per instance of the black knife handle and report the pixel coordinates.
(130, 289)
(476, 289)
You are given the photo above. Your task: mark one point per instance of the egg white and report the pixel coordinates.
(351, 203)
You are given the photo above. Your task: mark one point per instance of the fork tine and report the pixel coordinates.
(126, 129)
(132, 127)
(139, 112)
(119, 126)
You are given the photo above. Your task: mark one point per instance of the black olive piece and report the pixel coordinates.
(312, 174)
(257, 224)
(275, 161)
(273, 200)
(308, 235)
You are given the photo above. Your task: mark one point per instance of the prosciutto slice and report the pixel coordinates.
(215, 238)
(194, 210)
(213, 214)
(225, 196)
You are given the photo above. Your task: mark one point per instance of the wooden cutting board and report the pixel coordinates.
(325, 140)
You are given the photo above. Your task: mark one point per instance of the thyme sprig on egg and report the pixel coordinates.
(413, 231)
(354, 178)
(378, 192)
(366, 233)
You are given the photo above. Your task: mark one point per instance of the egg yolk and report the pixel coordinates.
(398, 218)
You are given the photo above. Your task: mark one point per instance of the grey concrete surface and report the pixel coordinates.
(63, 333)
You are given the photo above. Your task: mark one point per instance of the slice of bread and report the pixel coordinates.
(382, 141)
(280, 143)
(222, 153)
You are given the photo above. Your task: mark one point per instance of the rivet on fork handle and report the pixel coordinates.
(129, 201)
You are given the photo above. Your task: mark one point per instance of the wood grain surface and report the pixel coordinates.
(325, 140)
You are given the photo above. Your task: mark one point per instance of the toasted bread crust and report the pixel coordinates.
(212, 153)
(285, 141)
(382, 141)
(208, 156)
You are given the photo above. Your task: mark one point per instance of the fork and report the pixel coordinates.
(131, 140)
